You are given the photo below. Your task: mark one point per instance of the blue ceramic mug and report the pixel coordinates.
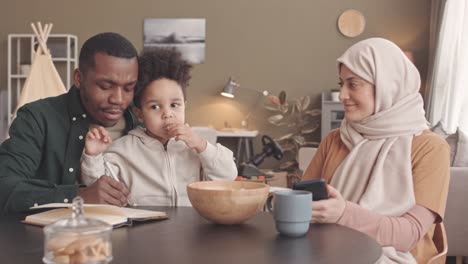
(292, 211)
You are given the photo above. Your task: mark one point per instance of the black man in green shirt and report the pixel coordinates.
(40, 162)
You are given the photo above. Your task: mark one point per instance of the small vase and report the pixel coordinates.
(335, 96)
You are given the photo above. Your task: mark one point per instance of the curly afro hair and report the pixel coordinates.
(159, 63)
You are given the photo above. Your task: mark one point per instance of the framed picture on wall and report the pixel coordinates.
(187, 35)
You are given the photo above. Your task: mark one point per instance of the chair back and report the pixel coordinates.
(456, 212)
(440, 241)
(304, 156)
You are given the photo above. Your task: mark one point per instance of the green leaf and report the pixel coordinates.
(288, 147)
(288, 165)
(305, 102)
(313, 112)
(299, 140)
(274, 100)
(271, 108)
(311, 144)
(282, 123)
(287, 136)
(282, 97)
(298, 105)
(293, 110)
(275, 118)
(284, 108)
(309, 128)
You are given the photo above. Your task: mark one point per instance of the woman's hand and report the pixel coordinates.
(330, 210)
(97, 140)
(185, 133)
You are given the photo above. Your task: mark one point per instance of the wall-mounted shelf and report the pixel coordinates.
(64, 51)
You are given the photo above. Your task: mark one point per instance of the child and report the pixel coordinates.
(159, 161)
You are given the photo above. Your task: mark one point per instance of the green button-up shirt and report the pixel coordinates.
(40, 162)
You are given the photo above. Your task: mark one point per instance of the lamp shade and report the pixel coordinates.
(229, 88)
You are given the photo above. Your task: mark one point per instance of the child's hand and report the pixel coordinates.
(185, 133)
(97, 140)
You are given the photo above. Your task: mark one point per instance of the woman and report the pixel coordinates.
(388, 175)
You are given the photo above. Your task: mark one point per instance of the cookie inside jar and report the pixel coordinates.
(77, 239)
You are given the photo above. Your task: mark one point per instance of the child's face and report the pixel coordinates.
(162, 103)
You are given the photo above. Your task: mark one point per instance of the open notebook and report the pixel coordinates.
(113, 215)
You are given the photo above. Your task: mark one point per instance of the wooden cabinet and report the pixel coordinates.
(332, 114)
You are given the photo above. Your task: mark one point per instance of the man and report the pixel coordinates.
(40, 162)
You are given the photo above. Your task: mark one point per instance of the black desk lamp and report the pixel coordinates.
(229, 91)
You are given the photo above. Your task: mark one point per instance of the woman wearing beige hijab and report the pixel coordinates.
(388, 174)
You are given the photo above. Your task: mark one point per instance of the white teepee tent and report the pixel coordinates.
(43, 79)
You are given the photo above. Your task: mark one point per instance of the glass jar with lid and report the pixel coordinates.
(77, 239)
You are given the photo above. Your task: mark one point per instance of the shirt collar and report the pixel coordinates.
(75, 108)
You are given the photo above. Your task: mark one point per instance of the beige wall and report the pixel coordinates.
(264, 44)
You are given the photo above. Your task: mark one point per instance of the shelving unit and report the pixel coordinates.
(332, 114)
(64, 51)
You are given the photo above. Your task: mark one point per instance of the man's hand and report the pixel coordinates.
(330, 210)
(97, 140)
(105, 190)
(185, 133)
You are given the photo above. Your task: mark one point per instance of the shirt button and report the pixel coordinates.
(35, 204)
(65, 200)
(80, 137)
(70, 169)
(83, 115)
(74, 118)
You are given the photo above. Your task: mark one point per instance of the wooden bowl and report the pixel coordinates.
(227, 202)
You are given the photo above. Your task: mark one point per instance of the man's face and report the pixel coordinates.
(107, 89)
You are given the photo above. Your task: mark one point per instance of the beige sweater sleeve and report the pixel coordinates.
(217, 163)
(92, 168)
(401, 232)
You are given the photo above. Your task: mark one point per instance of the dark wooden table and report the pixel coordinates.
(188, 238)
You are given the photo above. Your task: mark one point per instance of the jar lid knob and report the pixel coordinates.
(77, 207)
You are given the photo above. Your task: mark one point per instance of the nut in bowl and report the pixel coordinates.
(227, 202)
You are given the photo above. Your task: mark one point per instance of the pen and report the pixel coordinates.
(110, 171)
(113, 175)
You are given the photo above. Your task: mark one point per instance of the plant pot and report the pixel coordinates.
(335, 96)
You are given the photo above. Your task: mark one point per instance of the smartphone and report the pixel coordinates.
(318, 188)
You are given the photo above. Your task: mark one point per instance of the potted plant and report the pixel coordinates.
(301, 122)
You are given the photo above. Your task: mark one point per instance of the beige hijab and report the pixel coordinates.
(377, 172)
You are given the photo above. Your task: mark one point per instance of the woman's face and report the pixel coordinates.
(357, 95)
